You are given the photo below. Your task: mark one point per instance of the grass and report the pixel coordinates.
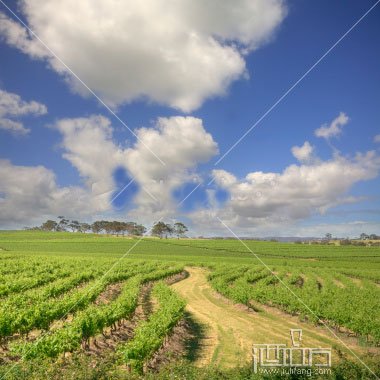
(225, 332)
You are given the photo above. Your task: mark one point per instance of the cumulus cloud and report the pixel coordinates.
(12, 106)
(29, 194)
(376, 139)
(182, 143)
(87, 143)
(303, 153)
(13, 127)
(276, 199)
(177, 54)
(335, 127)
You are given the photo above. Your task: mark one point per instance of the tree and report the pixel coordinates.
(139, 230)
(135, 229)
(328, 236)
(162, 229)
(364, 236)
(169, 230)
(84, 227)
(107, 226)
(49, 225)
(180, 229)
(74, 225)
(97, 227)
(130, 227)
(118, 227)
(62, 225)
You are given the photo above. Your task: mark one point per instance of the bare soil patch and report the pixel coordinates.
(109, 294)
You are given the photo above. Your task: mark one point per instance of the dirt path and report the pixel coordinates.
(231, 330)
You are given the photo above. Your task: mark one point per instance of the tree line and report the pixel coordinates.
(159, 229)
(364, 236)
(162, 229)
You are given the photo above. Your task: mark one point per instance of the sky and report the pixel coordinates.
(253, 117)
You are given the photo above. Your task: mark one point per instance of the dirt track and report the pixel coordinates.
(231, 330)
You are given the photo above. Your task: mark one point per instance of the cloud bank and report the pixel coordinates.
(260, 202)
(178, 54)
(277, 200)
(29, 193)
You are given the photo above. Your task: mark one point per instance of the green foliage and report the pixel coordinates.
(161, 229)
(180, 229)
(46, 275)
(150, 335)
(327, 295)
(94, 318)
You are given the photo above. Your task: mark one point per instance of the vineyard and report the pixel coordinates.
(342, 299)
(109, 303)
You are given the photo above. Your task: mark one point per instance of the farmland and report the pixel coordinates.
(107, 306)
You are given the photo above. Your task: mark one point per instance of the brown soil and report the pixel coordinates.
(174, 347)
(176, 277)
(105, 343)
(109, 294)
(123, 330)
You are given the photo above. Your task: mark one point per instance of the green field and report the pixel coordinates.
(68, 298)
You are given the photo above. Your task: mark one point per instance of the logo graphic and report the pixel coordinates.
(276, 355)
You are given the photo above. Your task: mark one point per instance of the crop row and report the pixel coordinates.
(14, 319)
(149, 335)
(319, 296)
(91, 321)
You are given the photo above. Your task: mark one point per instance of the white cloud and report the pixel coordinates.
(177, 53)
(30, 194)
(376, 139)
(14, 127)
(335, 127)
(303, 153)
(274, 200)
(12, 106)
(88, 145)
(182, 143)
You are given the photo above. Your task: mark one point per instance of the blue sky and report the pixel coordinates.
(275, 54)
